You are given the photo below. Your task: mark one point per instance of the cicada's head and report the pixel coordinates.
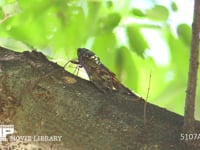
(87, 55)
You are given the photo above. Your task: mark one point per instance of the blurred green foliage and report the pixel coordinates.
(115, 31)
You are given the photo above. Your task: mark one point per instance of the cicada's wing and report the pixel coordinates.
(100, 76)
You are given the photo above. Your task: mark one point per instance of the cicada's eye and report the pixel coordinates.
(95, 59)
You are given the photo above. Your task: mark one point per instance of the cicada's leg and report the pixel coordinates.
(76, 71)
(71, 61)
(78, 66)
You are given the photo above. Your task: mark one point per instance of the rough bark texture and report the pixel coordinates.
(41, 98)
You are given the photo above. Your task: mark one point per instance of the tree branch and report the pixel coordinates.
(40, 98)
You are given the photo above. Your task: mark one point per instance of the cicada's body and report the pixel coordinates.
(99, 75)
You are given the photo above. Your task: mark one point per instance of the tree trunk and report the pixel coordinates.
(40, 98)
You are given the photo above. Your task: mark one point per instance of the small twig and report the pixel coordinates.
(145, 104)
(193, 71)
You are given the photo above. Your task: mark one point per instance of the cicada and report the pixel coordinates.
(105, 80)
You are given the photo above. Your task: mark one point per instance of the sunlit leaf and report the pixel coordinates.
(127, 70)
(158, 12)
(109, 4)
(136, 40)
(179, 56)
(174, 6)
(93, 8)
(138, 12)
(109, 22)
(184, 32)
(104, 45)
(10, 1)
(1, 13)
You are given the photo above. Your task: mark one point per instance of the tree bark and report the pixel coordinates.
(40, 98)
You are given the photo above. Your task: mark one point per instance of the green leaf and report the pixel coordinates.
(10, 1)
(104, 45)
(136, 40)
(179, 56)
(126, 68)
(174, 7)
(1, 13)
(109, 22)
(185, 32)
(158, 13)
(105, 42)
(93, 9)
(109, 4)
(138, 12)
